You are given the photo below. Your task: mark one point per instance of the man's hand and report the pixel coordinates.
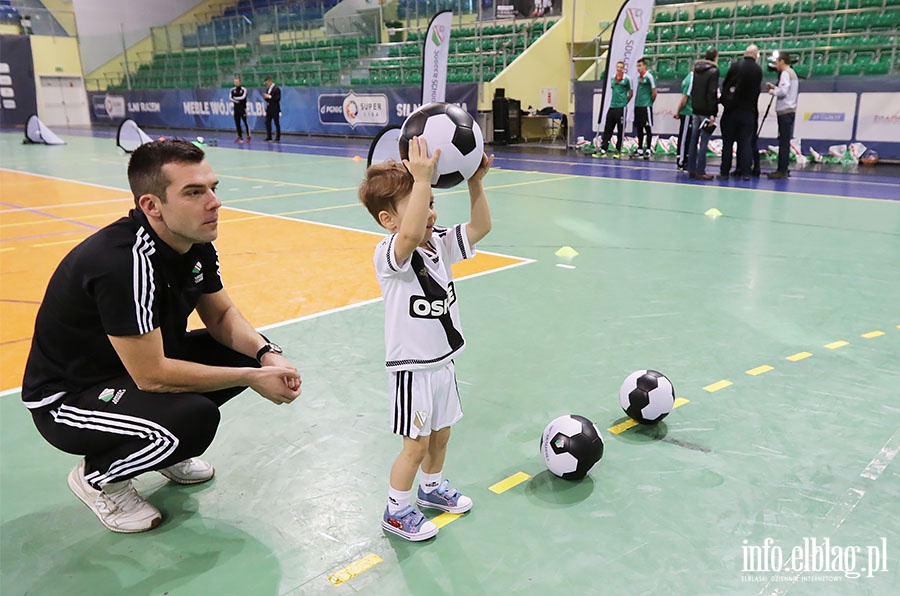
(288, 374)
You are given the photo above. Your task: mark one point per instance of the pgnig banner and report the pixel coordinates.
(360, 112)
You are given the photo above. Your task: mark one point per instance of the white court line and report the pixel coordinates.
(841, 510)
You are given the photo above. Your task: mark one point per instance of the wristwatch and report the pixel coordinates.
(269, 347)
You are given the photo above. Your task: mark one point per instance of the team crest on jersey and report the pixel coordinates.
(419, 419)
(198, 272)
(111, 395)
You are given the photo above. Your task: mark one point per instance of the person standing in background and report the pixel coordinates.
(239, 99)
(272, 95)
(615, 116)
(705, 104)
(786, 93)
(685, 117)
(740, 93)
(643, 108)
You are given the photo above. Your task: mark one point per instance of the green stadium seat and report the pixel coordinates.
(764, 28)
(871, 3)
(850, 69)
(825, 6)
(726, 30)
(781, 8)
(877, 68)
(704, 31)
(684, 32)
(682, 15)
(723, 12)
(760, 10)
(802, 70)
(702, 14)
(886, 20)
(743, 29)
(744, 11)
(666, 34)
(683, 67)
(823, 70)
(804, 6)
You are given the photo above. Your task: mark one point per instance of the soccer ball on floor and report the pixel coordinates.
(647, 396)
(571, 445)
(452, 130)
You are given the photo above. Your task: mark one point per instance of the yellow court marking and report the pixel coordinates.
(798, 356)
(354, 569)
(759, 370)
(445, 518)
(837, 344)
(718, 385)
(623, 426)
(872, 334)
(507, 483)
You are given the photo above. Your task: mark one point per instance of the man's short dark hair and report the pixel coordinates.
(642, 60)
(145, 175)
(712, 54)
(622, 62)
(786, 57)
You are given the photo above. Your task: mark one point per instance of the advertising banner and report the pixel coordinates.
(17, 95)
(879, 117)
(320, 110)
(434, 58)
(820, 116)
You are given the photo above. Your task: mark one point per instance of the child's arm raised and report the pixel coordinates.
(413, 225)
(480, 218)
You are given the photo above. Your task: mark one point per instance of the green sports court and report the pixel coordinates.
(777, 322)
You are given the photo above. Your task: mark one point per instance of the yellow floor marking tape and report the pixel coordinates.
(354, 569)
(508, 483)
(837, 344)
(623, 426)
(445, 518)
(718, 385)
(759, 370)
(872, 334)
(798, 356)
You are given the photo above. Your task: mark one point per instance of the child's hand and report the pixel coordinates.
(481, 172)
(419, 164)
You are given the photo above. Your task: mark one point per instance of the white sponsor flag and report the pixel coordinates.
(434, 58)
(626, 45)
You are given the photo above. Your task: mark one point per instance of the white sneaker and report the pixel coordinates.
(118, 506)
(190, 471)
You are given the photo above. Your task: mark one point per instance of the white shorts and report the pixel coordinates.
(423, 401)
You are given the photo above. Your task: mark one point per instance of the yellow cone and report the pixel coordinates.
(566, 252)
(713, 213)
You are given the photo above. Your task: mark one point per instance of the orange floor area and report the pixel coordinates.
(325, 267)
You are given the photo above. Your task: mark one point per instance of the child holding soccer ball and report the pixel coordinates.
(422, 329)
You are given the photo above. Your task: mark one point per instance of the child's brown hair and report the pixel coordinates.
(386, 184)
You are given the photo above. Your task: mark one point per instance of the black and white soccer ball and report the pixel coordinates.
(571, 445)
(452, 130)
(647, 396)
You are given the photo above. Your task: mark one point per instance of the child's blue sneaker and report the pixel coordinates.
(408, 523)
(444, 498)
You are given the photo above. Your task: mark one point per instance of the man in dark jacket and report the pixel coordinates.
(740, 93)
(272, 95)
(704, 99)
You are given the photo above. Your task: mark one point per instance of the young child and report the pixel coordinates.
(422, 330)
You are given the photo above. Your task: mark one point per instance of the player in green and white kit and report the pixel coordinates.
(615, 115)
(685, 111)
(643, 108)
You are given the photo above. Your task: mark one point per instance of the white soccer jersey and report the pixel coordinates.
(421, 315)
